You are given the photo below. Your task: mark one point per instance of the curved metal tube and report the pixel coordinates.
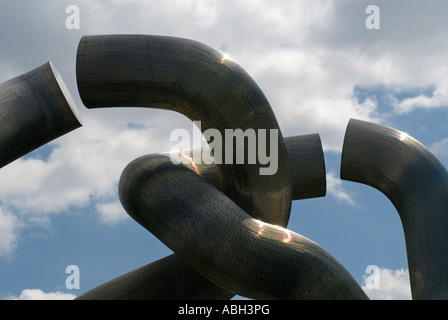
(165, 278)
(35, 108)
(417, 184)
(306, 159)
(307, 165)
(199, 82)
(216, 237)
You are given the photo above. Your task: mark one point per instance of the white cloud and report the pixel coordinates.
(439, 98)
(440, 148)
(83, 167)
(336, 189)
(9, 225)
(111, 212)
(37, 294)
(311, 92)
(393, 285)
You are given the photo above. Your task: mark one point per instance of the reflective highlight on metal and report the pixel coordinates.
(197, 81)
(193, 79)
(35, 108)
(166, 278)
(307, 164)
(217, 238)
(417, 184)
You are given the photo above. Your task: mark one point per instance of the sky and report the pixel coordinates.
(316, 62)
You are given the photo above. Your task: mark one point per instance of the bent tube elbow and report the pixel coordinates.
(217, 238)
(197, 81)
(166, 278)
(417, 184)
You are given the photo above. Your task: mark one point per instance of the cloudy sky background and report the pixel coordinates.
(317, 64)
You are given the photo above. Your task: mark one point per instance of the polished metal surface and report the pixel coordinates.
(203, 84)
(165, 278)
(199, 82)
(216, 237)
(417, 184)
(227, 222)
(307, 164)
(307, 161)
(35, 108)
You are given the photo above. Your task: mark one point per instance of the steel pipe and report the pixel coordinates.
(417, 184)
(204, 85)
(35, 108)
(306, 159)
(216, 237)
(307, 166)
(199, 82)
(165, 278)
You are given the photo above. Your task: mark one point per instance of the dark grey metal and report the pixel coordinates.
(216, 237)
(199, 82)
(35, 108)
(417, 184)
(165, 278)
(307, 166)
(306, 159)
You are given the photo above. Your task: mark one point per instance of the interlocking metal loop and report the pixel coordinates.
(211, 233)
(198, 81)
(149, 282)
(195, 80)
(227, 226)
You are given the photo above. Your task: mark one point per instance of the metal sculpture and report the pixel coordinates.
(216, 237)
(307, 165)
(35, 108)
(170, 278)
(201, 83)
(417, 184)
(228, 227)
